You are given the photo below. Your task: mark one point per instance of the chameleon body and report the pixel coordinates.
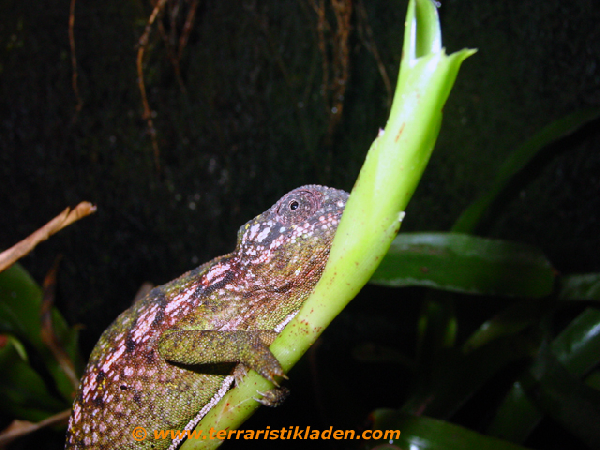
(167, 360)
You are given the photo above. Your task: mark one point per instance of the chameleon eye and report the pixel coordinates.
(297, 206)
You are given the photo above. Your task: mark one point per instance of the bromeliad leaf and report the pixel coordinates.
(20, 303)
(580, 287)
(424, 433)
(518, 160)
(577, 349)
(463, 263)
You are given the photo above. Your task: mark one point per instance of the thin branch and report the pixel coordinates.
(19, 428)
(79, 104)
(65, 218)
(341, 60)
(335, 55)
(48, 333)
(322, 25)
(147, 115)
(369, 43)
(169, 40)
(187, 28)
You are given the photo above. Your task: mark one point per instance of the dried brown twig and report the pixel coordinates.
(176, 44)
(65, 218)
(19, 428)
(173, 54)
(335, 56)
(366, 36)
(147, 114)
(79, 104)
(49, 336)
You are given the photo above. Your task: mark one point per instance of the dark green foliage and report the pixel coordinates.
(446, 376)
(33, 384)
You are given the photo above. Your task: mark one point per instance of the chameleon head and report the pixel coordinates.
(296, 232)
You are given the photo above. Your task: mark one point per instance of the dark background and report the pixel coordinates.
(248, 119)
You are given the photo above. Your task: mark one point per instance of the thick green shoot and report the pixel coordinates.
(376, 205)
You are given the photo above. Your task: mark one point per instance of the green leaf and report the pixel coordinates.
(424, 433)
(422, 33)
(580, 287)
(436, 336)
(577, 348)
(517, 317)
(518, 160)
(457, 376)
(563, 397)
(593, 380)
(578, 345)
(20, 301)
(23, 393)
(462, 263)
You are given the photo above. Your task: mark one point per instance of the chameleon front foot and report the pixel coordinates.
(273, 397)
(249, 348)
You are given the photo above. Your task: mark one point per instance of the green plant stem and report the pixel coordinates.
(375, 208)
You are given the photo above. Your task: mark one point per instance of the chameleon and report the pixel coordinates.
(169, 358)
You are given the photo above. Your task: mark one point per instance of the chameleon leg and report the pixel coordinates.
(249, 348)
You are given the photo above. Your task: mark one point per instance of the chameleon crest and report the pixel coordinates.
(167, 360)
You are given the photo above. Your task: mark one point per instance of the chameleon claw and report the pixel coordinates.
(272, 380)
(275, 383)
(272, 397)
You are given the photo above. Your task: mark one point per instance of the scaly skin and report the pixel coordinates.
(167, 360)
